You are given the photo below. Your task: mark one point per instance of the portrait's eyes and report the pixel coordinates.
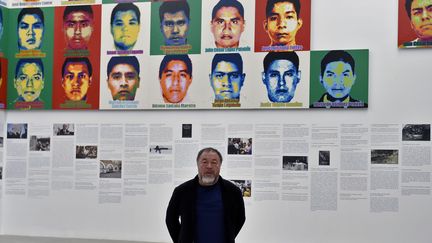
(38, 25)
(429, 8)
(37, 77)
(70, 25)
(184, 74)
(181, 22)
(417, 12)
(82, 75)
(116, 76)
(289, 74)
(69, 76)
(118, 23)
(273, 18)
(133, 22)
(169, 23)
(234, 75)
(22, 77)
(330, 75)
(289, 16)
(273, 75)
(235, 21)
(131, 75)
(219, 22)
(85, 24)
(23, 25)
(219, 75)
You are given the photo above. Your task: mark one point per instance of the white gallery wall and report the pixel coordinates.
(399, 93)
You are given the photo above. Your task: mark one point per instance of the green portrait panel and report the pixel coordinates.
(30, 38)
(180, 30)
(339, 79)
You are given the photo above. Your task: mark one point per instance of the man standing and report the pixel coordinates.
(420, 14)
(281, 75)
(282, 22)
(175, 74)
(78, 26)
(174, 22)
(227, 77)
(208, 208)
(227, 23)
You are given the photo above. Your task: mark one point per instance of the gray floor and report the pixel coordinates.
(29, 239)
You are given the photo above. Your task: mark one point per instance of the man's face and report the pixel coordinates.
(226, 81)
(421, 18)
(29, 82)
(227, 27)
(282, 25)
(175, 27)
(30, 32)
(338, 79)
(76, 81)
(281, 79)
(208, 168)
(175, 81)
(125, 29)
(78, 28)
(123, 81)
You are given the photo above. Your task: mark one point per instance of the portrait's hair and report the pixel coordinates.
(271, 3)
(273, 56)
(83, 60)
(168, 58)
(228, 57)
(22, 62)
(31, 11)
(130, 60)
(123, 7)
(83, 8)
(337, 56)
(228, 3)
(209, 149)
(174, 7)
(408, 4)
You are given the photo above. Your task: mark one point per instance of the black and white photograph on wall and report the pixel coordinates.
(1, 142)
(416, 132)
(385, 156)
(323, 157)
(110, 169)
(1, 172)
(241, 146)
(63, 129)
(160, 149)
(245, 187)
(17, 130)
(295, 163)
(186, 130)
(86, 152)
(40, 143)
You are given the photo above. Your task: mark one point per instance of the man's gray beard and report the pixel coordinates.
(208, 180)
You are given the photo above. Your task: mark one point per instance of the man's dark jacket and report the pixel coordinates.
(183, 205)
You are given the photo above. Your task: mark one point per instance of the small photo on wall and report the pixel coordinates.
(339, 79)
(282, 25)
(175, 27)
(415, 24)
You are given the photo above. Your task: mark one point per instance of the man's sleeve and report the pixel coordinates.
(172, 216)
(241, 213)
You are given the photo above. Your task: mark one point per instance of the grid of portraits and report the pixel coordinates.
(176, 54)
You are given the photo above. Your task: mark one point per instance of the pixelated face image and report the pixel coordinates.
(123, 82)
(226, 81)
(283, 23)
(338, 79)
(30, 32)
(421, 18)
(125, 29)
(76, 81)
(78, 29)
(281, 80)
(175, 27)
(175, 81)
(29, 82)
(227, 27)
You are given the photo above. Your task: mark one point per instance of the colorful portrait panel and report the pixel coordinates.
(282, 25)
(175, 27)
(415, 24)
(339, 79)
(228, 26)
(77, 62)
(3, 81)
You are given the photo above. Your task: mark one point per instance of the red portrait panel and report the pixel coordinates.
(302, 37)
(77, 43)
